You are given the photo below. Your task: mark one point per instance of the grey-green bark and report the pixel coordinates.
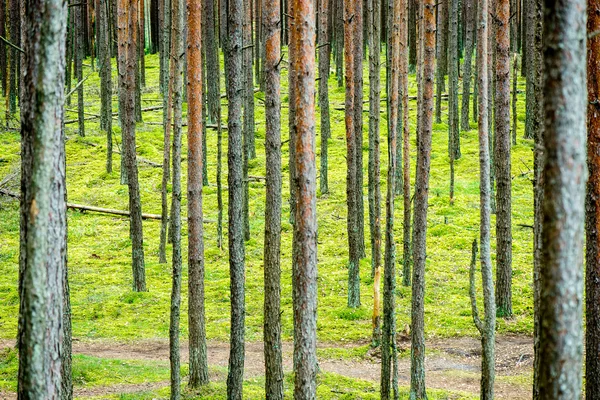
(78, 56)
(104, 65)
(417, 381)
(272, 253)
(358, 124)
(502, 162)
(235, 182)
(453, 65)
(43, 222)
(406, 230)
(565, 173)
(248, 105)
(324, 60)
(442, 39)
(469, 21)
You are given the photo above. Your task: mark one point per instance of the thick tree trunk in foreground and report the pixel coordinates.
(388, 337)
(417, 381)
(42, 259)
(565, 174)
(304, 274)
(324, 59)
(502, 162)
(127, 26)
(487, 326)
(236, 223)
(196, 320)
(272, 253)
(350, 23)
(592, 281)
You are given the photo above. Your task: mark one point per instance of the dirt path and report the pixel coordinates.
(452, 364)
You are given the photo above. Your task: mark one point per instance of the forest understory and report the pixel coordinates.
(120, 336)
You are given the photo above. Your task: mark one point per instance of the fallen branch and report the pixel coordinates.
(100, 210)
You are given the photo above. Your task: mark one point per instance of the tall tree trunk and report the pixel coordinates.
(453, 125)
(104, 65)
(470, 18)
(272, 253)
(78, 17)
(304, 274)
(3, 49)
(43, 223)
(142, 41)
(350, 23)
(196, 320)
(338, 25)
(487, 326)
(565, 174)
(502, 162)
(236, 227)
(127, 26)
(358, 132)
(374, 36)
(592, 282)
(324, 59)
(412, 33)
(442, 56)
(417, 382)
(15, 38)
(388, 337)
(406, 249)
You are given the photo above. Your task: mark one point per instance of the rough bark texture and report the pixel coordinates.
(350, 23)
(417, 381)
(196, 321)
(338, 26)
(272, 253)
(565, 174)
(470, 19)
(248, 119)
(175, 227)
(78, 17)
(502, 162)
(324, 57)
(453, 121)
(487, 327)
(406, 255)
(412, 34)
(358, 124)
(388, 337)
(442, 56)
(304, 274)
(103, 34)
(592, 282)
(43, 232)
(236, 228)
(127, 26)
(374, 36)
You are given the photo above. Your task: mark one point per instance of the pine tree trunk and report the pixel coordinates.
(470, 17)
(338, 25)
(417, 382)
(388, 337)
(15, 38)
(412, 34)
(374, 38)
(248, 104)
(79, 55)
(565, 174)
(406, 253)
(502, 162)
(324, 59)
(358, 132)
(104, 65)
(236, 227)
(43, 233)
(272, 253)
(442, 56)
(304, 266)
(453, 121)
(350, 22)
(127, 26)
(3, 49)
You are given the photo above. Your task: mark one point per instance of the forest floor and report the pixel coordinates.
(453, 364)
(121, 335)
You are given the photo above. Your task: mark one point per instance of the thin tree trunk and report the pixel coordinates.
(592, 281)
(406, 251)
(127, 26)
(304, 266)
(79, 55)
(502, 162)
(248, 120)
(412, 34)
(453, 121)
(43, 232)
(272, 253)
(388, 337)
(236, 228)
(324, 59)
(103, 37)
(442, 56)
(374, 36)
(565, 174)
(417, 382)
(470, 18)
(358, 131)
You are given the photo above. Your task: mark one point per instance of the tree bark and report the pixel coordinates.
(502, 162)
(236, 228)
(442, 33)
(565, 174)
(358, 132)
(324, 60)
(127, 68)
(406, 251)
(79, 55)
(272, 253)
(417, 382)
(470, 18)
(304, 267)
(43, 321)
(103, 37)
(453, 121)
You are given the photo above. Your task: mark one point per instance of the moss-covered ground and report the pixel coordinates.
(104, 307)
